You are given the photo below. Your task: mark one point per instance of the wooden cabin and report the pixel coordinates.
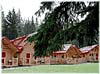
(26, 54)
(17, 51)
(43, 60)
(8, 53)
(90, 53)
(20, 52)
(69, 55)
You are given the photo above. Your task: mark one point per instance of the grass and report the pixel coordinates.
(78, 68)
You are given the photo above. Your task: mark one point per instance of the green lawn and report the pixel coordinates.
(78, 68)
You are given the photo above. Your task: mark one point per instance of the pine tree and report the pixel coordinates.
(62, 25)
(27, 27)
(11, 25)
(20, 24)
(33, 27)
(3, 23)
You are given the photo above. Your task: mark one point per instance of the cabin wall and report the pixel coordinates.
(58, 58)
(92, 55)
(72, 56)
(26, 57)
(7, 56)
(72, 52)
(47, 60)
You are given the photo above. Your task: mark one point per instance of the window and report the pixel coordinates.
(35, 57)
(95, 49)
(76, 60)
(2, 60)
(83, 55)
(16, 55)
(91, 54)
(3, 54)
(97, 56)
(66, 55)
(62, 56)
(27, 60)
(28, 55)
(54, 56)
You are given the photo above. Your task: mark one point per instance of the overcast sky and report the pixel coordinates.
(27, 7)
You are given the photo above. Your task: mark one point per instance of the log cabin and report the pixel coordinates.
(69, 55)
(90, 53)
(8, 53)
(26, 54)
(17, 51)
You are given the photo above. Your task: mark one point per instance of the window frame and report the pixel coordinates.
(62, 56)
(3, 54)
(28, 55)
(3, 61)
(27, 60)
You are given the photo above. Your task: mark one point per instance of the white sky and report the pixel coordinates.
(27, 7)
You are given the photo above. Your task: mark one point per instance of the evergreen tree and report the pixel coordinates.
(62, 25)
(26, 27)
(3, 23)
(11, 25)
(29, 26)
(20, 24)
(33, 27)
(36, 23)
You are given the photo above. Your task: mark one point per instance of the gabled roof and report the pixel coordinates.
(87, 48)
(67, 46)
(6, 42)
(20, 42)
(65, 49)
(17, 43)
